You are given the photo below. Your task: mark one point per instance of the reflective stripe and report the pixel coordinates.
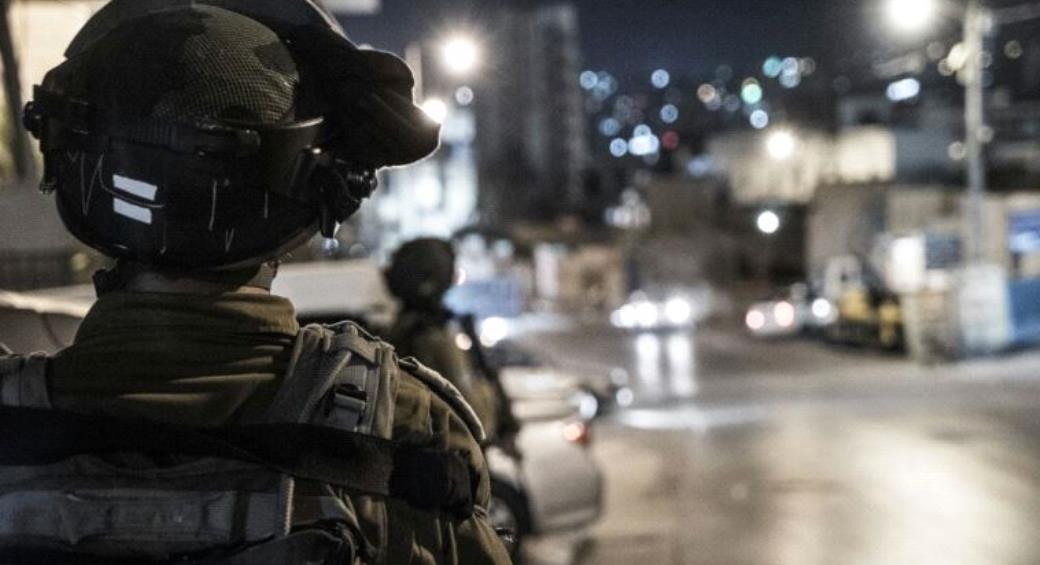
(181, 521)
(138, 188)
(165, 521)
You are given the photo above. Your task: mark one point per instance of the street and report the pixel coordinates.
(789, 452)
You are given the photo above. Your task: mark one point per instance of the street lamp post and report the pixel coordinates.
(979, 22)
(976, 22)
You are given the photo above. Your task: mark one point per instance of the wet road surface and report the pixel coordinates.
(744, 452)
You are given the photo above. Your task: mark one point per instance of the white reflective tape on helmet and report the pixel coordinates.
(137, 188)
(132, 211)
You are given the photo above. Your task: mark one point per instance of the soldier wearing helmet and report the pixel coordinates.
(196, 142)
(420, 274)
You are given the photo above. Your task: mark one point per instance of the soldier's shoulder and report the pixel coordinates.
(424, 397)
(413, 371)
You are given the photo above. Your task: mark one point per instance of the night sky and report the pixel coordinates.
(629, 38)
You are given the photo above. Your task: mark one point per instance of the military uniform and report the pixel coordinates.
(219, 360)
(420, 275)
(197, 142)
(433, 338)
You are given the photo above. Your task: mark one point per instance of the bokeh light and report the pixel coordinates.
(669, 113)
(759, 119)
(781, 145)
(464, 95)
(768, 222)
(460, 55)
(436, 109)
(661, 79)
(911, 16)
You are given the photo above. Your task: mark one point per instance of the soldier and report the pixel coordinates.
(420, 274)
(193, 420)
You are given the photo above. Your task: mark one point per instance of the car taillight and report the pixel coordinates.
(578, 433)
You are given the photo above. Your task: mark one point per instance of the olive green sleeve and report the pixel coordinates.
(423, 415)
(434, 348)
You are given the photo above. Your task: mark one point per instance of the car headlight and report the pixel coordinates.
(625, 317)
(586, 403)
(822, 309)
(755, 320)
(784, 314)
(647, 314)
(678, 311)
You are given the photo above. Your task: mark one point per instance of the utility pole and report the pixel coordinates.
(977, 23)
(21, 152)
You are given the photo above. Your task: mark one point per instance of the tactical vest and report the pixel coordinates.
(90, 489)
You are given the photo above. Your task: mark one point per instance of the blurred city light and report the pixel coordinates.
(784, 314)
(464, 95)
(610, 127)
(755, 320)
(670, 140)
(958, 57)
(911, 16)
(589, 80)
(957, 151)
(759, 119)
(436, 109)
(678, 311)
(493, 330)
(669, 114)
(807, 66)
(903, 90)
(773, 67)
(707, 93)
(822, 309)
(619, 148)
(768, 222)
(460, 55)
(643, 145)
(661, 79)
(463, 342)
(751, 92)
(781, 145)
(1013, 49)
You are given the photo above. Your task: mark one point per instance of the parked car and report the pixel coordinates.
(556, 487)
(335, 291)
(793, 311)
(663, 310)
(539, 390)
(31, 322)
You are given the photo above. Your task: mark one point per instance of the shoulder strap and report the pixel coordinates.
(23, 381)
(336, 379)
(427, 479)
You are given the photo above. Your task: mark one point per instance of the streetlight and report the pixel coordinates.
(460, 55)
(979, 22)
(780, 145)
(911, 16)
(768, 222)
(436, 109)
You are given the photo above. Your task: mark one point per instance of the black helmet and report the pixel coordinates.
(421, 272)
(213, 134)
